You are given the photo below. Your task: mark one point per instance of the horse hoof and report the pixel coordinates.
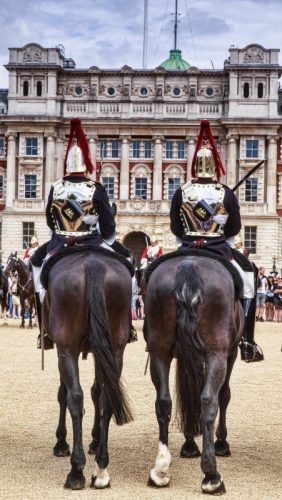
(74, 483)
(152, 484)
(98, 484)
(21, 326)
(222, 448)
(213, 486)
(61, 450)
(190, 450)
(93, 448)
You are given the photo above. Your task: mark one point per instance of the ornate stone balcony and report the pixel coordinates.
(140, 206)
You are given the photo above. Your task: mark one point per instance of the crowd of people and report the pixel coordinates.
(269, 296)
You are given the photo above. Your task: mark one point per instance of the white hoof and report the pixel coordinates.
(159, 474)
(158, 479)
(100, 478)
(215, 486)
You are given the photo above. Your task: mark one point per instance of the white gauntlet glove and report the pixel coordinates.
(90, 219)
(220, 219)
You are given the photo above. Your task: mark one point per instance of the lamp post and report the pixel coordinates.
(274, 263)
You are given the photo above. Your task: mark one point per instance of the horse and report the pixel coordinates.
(193, 314)
(87, 308)
(4, 288)
(25, 286)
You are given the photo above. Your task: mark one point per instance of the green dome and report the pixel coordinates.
(175, 62)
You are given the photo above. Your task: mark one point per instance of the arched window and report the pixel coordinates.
(260, 90)
(25, 88)
(39, 89)
(246, 89)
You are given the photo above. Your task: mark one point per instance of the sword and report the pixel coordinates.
(248, 174)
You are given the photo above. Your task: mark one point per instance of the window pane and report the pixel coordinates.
(30, 186)
(260, 90)
(31, 146)
(28, 232)
(246, 90)
(103, 149)
(1, 186)
(147, 149)
(25, 88)
(180, 149)
(136, 149)
(2, 146)
(252, 148)
(251, 192)
(173, 185)
(251, 238)
(39, 89)
(169, 149)
(141, 187)
(109, 185)
(115, 149)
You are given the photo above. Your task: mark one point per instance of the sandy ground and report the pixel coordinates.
(29, 412)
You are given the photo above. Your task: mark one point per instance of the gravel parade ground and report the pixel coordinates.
(29, 413)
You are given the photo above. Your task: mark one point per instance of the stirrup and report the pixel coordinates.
(250, 351)
(48, 343)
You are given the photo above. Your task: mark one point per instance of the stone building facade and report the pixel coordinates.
(142, 126)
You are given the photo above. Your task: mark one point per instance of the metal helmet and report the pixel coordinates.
(205, 165)
(34, 240)
(206, 160)
(75, 160)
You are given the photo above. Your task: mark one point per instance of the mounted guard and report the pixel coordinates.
(205, 214)
(151, 252)
(30, 251)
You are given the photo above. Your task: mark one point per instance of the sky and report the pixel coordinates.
(109, 33)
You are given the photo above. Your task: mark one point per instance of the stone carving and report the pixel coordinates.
(169, 240)
(93, 90)
(167, 89)
(102, 89)
(126, 90)
(159, 91)
(61, 89)
(254, 55)
(137, 204)
(154, 205)
(32, 54)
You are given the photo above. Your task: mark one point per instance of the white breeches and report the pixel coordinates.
(248, 281)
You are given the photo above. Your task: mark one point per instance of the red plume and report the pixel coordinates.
(76, 132)
(205, 135)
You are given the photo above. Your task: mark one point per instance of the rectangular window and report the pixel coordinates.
(115, 149)
(135, 149)
(252, 148)
(251, 191)
(31, 146)
(2, 146)
(109, 185)
(250, 238)
(28, 232)
(1, 186)
(173, 185)
(180, 150)
(103, 149)
(147, 149)
(169, 149)
(141, 187)
(30, 186)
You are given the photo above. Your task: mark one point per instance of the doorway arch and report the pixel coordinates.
(136, 241)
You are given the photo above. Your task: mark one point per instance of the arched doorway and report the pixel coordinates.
(136, 242)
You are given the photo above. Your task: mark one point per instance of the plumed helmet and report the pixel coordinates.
(77, 157)
(206, 161)
(34, 240)
(153, 238)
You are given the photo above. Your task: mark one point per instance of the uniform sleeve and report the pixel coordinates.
(175, 221)
(144, 254)
(231, 205)
(49, 220)
(102, 206)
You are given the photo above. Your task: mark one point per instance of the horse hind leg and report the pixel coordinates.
(221, 445)
(160, 376)
(62, 448)
(68, 366)
(100, 477)
(216, 370)
(95, 395)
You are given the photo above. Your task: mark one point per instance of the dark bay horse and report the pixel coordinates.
(192, 312)
(25, 286)
(4, 288)
(87, 307)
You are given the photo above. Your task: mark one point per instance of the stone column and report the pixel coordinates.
(223, 156)
(231, 167)
(157, 173)
(60, 153)
(271, 174)
(190, 154)
(49, 163)
(11, 170)
(124, 170)
(93, 154)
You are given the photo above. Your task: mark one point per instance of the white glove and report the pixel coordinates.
(143, 263)
(90, 219)
(220, 219)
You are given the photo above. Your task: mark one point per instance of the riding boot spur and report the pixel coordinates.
(250, 351)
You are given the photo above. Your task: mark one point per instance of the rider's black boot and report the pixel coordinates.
(250, 351)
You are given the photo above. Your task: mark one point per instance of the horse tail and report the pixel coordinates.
(189, 349)
(100, 341)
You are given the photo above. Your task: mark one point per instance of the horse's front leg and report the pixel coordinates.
(22, 313)
(62, 448)
(68, 366)
(95, 395)
(159, 366)
(216, 373)
(30, 310)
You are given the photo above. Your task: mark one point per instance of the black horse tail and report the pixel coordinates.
(100, 341)
(189, 349)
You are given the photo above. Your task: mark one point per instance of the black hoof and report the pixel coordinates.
(21, 326)
(222, 448)
(61, 450)
(213, 486)
(93, 484)
(152, 484)
(75, 482)
(190, 450)
(93, 447)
